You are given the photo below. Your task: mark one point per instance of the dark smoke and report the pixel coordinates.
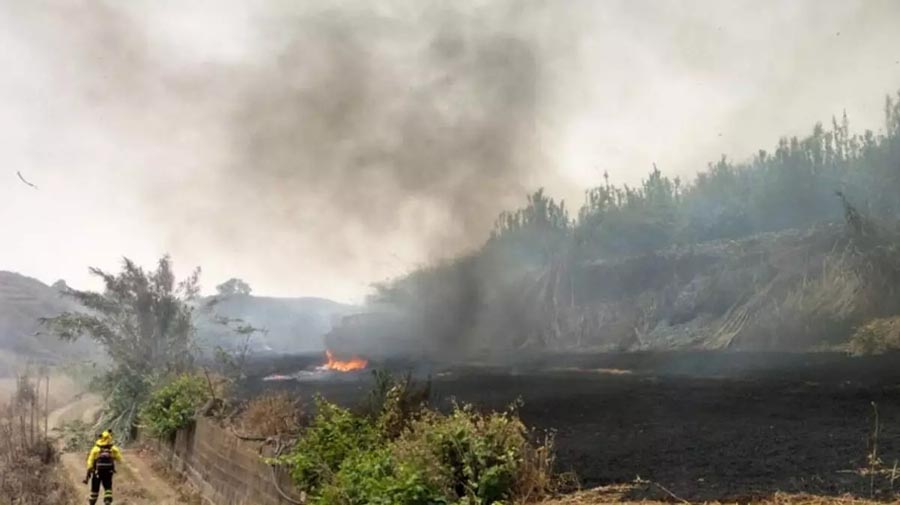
(359, 125)
(317, 146)
(404, 123)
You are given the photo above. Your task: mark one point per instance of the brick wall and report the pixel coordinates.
(225, 469)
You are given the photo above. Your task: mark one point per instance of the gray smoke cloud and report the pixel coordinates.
(362, 124)
(406, 122)
(315, 147)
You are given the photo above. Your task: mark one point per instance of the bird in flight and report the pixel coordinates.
(24, 180)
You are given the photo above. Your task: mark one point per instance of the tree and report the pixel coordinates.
(233, 287)
(144, 321)
(532, 249)
(533, 233)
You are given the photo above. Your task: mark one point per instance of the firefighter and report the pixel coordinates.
(101, 465)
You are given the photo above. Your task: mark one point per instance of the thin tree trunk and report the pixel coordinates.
(32, 402)
(24, 431)
(47, 408)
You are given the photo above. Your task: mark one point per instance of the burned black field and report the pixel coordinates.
(704, 425)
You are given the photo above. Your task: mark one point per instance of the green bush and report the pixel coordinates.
(376, 477)
(125, 392)
(334, 435)
(465, 457)
(396, 402)
(476, 457)
(174, 405)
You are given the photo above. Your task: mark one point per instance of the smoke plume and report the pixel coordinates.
(314, 147)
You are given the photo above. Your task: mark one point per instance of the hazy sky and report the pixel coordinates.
(314, 147)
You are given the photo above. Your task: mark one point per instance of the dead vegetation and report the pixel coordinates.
(29, 472)
(878, 336)
(644, 494)
(272, 415)
(789, 290)
(178, 481)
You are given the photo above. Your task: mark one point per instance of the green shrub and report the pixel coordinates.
(174, 405)
(124, 391)
(396, 402)
(375, 477)
(417, 456)
(476, 457)
(334, 434)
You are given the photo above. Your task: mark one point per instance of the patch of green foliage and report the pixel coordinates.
(378, 477)
(404, 456)
(476, 458)
(143, 320)
(334, 435)
(125, 392)
(174, 405)
(396, 402)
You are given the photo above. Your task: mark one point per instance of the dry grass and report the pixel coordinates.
(186, 492)
(272, 414)
(537, 478)
(32, 481)
(62, 389)
(644, 494)
(29, 471)
(878, 336)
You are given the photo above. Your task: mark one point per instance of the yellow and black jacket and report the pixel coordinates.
(103, 447)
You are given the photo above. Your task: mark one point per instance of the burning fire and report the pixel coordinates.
(354, 363)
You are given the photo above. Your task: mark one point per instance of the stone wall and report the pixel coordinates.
(223, 468)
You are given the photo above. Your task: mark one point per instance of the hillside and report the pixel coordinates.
(23, 300)
(795, 290)
(290, 324)
(794, 249)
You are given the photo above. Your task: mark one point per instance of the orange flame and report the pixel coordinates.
(354, 363)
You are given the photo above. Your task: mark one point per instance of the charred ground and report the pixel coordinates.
(706, 425)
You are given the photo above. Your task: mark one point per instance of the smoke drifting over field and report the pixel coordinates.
(318, 146)
(365, 124)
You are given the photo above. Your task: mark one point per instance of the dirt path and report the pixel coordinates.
(84, 407)
(136, 482)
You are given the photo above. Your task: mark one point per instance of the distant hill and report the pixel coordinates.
(291, 324)
(23, 300)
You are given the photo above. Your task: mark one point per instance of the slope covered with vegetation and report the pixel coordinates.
(291, 325)
(23, 301)
(789, 250)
